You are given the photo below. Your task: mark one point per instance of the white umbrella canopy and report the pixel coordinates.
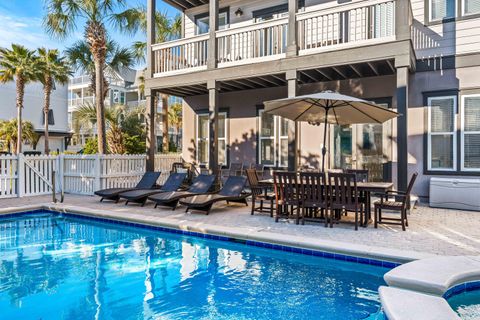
(329, 107)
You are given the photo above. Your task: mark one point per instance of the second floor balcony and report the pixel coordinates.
(355, 24)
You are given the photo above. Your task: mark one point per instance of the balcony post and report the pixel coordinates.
(213, 105)
(293, 127)
(150, 37)
(292, 45)
(151, 110)
(212, 41)
(402, 127)
(403, 19)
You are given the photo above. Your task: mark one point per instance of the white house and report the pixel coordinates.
(33, 112)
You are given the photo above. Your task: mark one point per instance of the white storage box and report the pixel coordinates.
(455, 193)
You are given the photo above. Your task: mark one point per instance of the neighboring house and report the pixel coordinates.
(420, 57)
(59, 133)
(124, 89)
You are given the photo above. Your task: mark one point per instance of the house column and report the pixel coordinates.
(402, 128)
(150, 102)
(151, 110)
(292, 46)
(293, 127)
(212, 40)
(213, 105)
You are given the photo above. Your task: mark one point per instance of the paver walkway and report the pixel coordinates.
(436, 231)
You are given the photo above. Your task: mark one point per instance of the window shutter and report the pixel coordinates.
(471, 6)
(440, 9)
(471, 132)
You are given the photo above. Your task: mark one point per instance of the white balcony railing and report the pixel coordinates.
(353, 24)
(184, 54)
(260, 41)
(349, 24)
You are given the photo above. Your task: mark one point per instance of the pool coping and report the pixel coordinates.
(415, 289)
(364, 254)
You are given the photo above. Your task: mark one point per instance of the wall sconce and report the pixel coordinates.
(239, 12)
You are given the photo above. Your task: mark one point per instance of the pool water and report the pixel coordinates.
(467, 304)
(64, 267)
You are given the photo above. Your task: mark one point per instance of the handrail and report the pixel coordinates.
(179, 42)
(251, 27)
(339, 8)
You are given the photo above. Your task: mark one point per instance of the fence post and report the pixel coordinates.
(21, 175)
(97, 172)
(60, 172)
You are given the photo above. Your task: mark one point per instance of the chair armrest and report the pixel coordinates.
(396, 192)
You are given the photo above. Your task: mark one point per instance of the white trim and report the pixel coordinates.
(453, 133)
(197, 117)
(260, 138)
(462, 134)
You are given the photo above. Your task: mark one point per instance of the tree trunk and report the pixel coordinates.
(20, 93)
(99, 104)
(96, 38)
(165, 137)
(47, 89)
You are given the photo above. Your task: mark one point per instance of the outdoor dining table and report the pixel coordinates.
(365, 187)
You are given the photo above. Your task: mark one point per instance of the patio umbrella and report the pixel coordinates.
(329, 107)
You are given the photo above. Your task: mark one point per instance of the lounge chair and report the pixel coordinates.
(148, 181)
(232, 191)
(173, 183)
(200, 185)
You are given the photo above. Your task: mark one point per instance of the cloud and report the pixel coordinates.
(27, 31)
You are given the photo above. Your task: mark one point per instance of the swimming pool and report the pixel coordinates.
(64, 267)
(466, 304)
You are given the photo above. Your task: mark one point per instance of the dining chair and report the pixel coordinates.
(260, 168)
(360, 174)
(344, 196)
(259, 193)
(314, 194)
(398, 201)
(287, 194)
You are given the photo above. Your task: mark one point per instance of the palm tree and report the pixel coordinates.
(53, 69)
(18, 64)
(62, 19)
(134, 20)
(117, 118)
(175, 116)
(81, 59)
(9, 133)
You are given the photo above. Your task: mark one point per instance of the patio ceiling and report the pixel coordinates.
(325, 74)
(186, 4)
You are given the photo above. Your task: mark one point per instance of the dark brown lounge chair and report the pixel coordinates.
(200, 185)
(148, 181)
(232, 191)
(173, 183)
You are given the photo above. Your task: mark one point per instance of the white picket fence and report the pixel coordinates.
(76, 174)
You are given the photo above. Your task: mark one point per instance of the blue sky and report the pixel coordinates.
(21, 22)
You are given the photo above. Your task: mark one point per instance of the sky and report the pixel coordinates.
(21, 23)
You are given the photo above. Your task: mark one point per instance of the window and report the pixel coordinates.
(202, 21)
(273, 140)
(442, 133)
(203, 138)
(471, 7)
(51, 119)
(470, 134)
(442, 9)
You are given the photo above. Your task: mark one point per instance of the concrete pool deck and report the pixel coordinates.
(431, 232)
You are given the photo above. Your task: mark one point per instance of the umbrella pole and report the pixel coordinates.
(324, 148)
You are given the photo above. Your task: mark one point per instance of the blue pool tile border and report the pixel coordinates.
(253, 243)
(461, 288)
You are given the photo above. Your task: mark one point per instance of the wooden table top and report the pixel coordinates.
(368, 186)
